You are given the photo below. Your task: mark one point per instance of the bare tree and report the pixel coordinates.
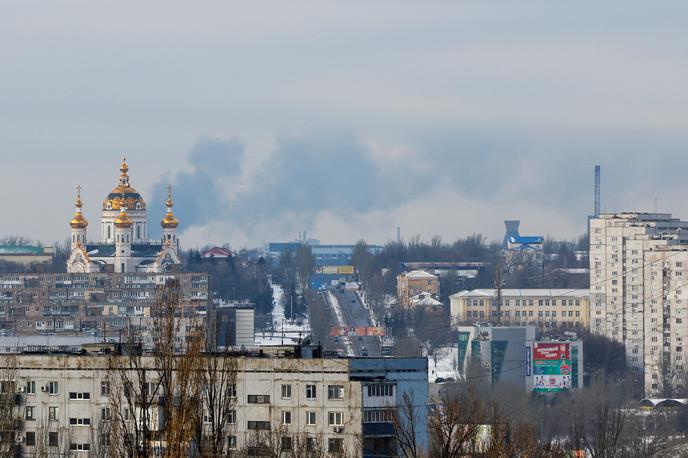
(406, 423)
(10, 410)
(216, 420)
(455, 421)
(155, 397)
(598, 421)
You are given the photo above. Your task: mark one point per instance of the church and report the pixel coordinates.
(124, 246)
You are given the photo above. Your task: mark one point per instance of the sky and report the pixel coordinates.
(344, 119)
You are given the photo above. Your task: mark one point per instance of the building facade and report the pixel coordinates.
(410, 284)
(546, 308)
(67, 403)
(124, 246)
(26, 255)
(635, 288)
(72, 302)
(511, 355)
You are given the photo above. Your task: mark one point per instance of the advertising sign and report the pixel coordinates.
(551, 366)
(357, 331)
(345, 270)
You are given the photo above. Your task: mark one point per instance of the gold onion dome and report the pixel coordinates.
(169, 221)
(124, 193)
(78, 221)
(122, 220)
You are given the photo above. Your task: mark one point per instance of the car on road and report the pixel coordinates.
(360, 338)
(364, 353)
(363, 348)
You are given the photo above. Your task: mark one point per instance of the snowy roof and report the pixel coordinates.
(217, 252)
(482, 293)
(418, 274)
(428, 301)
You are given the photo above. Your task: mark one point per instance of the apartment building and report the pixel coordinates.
(68, 303)
(635, 287)
(340, 406)
(546, 308)
(410, 284)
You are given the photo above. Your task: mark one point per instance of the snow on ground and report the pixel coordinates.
(446, 364)
(292, 330)
(340, 321)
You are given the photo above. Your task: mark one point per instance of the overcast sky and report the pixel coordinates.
(346, 119)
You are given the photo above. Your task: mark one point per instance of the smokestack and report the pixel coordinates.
(398, 234)
(597, 191)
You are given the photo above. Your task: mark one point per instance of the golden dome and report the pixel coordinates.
(169, 221)
(122, 220)
(124, 194)
(78, 221)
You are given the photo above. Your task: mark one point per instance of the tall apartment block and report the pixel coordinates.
(635, 294)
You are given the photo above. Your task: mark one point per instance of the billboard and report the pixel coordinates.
(345, 270)
(551, 366)
(357, 331)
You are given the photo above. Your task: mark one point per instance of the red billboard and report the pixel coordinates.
(551, 351)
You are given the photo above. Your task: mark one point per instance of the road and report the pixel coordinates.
(352, 314)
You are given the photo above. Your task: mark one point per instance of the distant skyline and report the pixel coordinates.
(344, 119)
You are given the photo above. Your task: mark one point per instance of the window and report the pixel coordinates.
(233, 391)
(335, 445)
(286, 444)
(105, 439)
(105, 414)
(79, 447)
(31, 387)
(79, 396)
(311, 444)
(79, 421)
(310, 418)
(52, 439)
(259, 425)
(286, 417)
(231, 417)
(30, 413)
(105, 388)
(53, 388)
(380, 389)
(231, 442)
(335, 392)
(378, 416)
(30, 439)
(286, 391)
(335, 418)
(52, 413)
(258, 399)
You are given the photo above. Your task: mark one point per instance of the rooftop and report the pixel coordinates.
(492, 293)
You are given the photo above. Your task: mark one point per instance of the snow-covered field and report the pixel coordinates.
(279, 324)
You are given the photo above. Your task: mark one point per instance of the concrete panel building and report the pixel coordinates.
(69, 303)
(65, 401)
(636, 289)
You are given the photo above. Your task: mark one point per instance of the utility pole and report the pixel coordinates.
(498, 286)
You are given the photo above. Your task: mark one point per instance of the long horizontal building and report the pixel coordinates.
(548, 308)
(345, 407)
(64, 303)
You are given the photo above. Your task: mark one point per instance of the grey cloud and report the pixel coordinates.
(196, 195)
(501, 170)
